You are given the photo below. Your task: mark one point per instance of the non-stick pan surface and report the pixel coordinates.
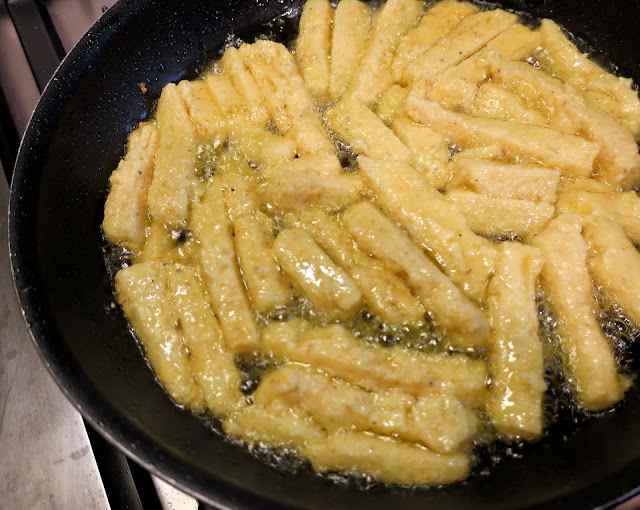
(72, 144)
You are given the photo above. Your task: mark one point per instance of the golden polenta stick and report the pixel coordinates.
(430, 154)
(337, 352)
(174, 183)
(481, 152)
(391, 104)
(314, 179)
(212, 366)
(601, 88)
(496, 216)
(385, 459)
(373, 75)
(465, 88)
(284, 92)
(253, 238)
(462, 321)
(125, 211)
(331, 291)
(439, 422)
(245, 122)
(295, 191)
(623, 208)
(456, 88)
(609, 104)
(516, 43)
(453, 88)
(142, 292)
(469, 36)
(246, 127)
(498, 179)
(275, 424)
(590, 185)
(494, 101)
(358, 126)
(230, 102)
(614, 264)
(590, 362)
(323, 164)
(233, 66)
(239, 193)
(515, 353)
(261, 147)
(573, 155)
(266, 285)
(385, 293)
(158, 245)
(438, 20)
(310, 135)
(618, 162)
(204, 111)
(221, 275)
(313, 46)
(351, 26)
(433, 222)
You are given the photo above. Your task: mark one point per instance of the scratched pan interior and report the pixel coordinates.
(72, 144)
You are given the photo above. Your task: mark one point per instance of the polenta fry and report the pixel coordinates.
(331, 291)
(515, 354)
(337, 352)
(174, 185)
(614, 263)
(142, 291)
(463, 322)
(573, 155)
(439, 226)
(501, 216)
(387, 460)
(351, 26)
(592, 367)
(125, 211)
(313, 46)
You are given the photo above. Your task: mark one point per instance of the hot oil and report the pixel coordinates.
(562, 412)
(346, 155)
(558, 397)
(282, 459)
(620, 332)
(252, 367)
(207, 156)
(115, 258)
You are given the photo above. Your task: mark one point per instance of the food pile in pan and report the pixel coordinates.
(339, 248)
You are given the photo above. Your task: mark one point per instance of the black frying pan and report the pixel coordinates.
(72, 144)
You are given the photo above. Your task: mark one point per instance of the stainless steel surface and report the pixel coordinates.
(45, 456)
(172, 498)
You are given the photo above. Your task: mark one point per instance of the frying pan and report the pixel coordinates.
(75, 139)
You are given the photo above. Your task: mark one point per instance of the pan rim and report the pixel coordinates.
(116, 430)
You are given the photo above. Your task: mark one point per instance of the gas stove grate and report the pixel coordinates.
(30, 51)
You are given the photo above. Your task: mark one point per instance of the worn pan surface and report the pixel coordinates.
(75, 140)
